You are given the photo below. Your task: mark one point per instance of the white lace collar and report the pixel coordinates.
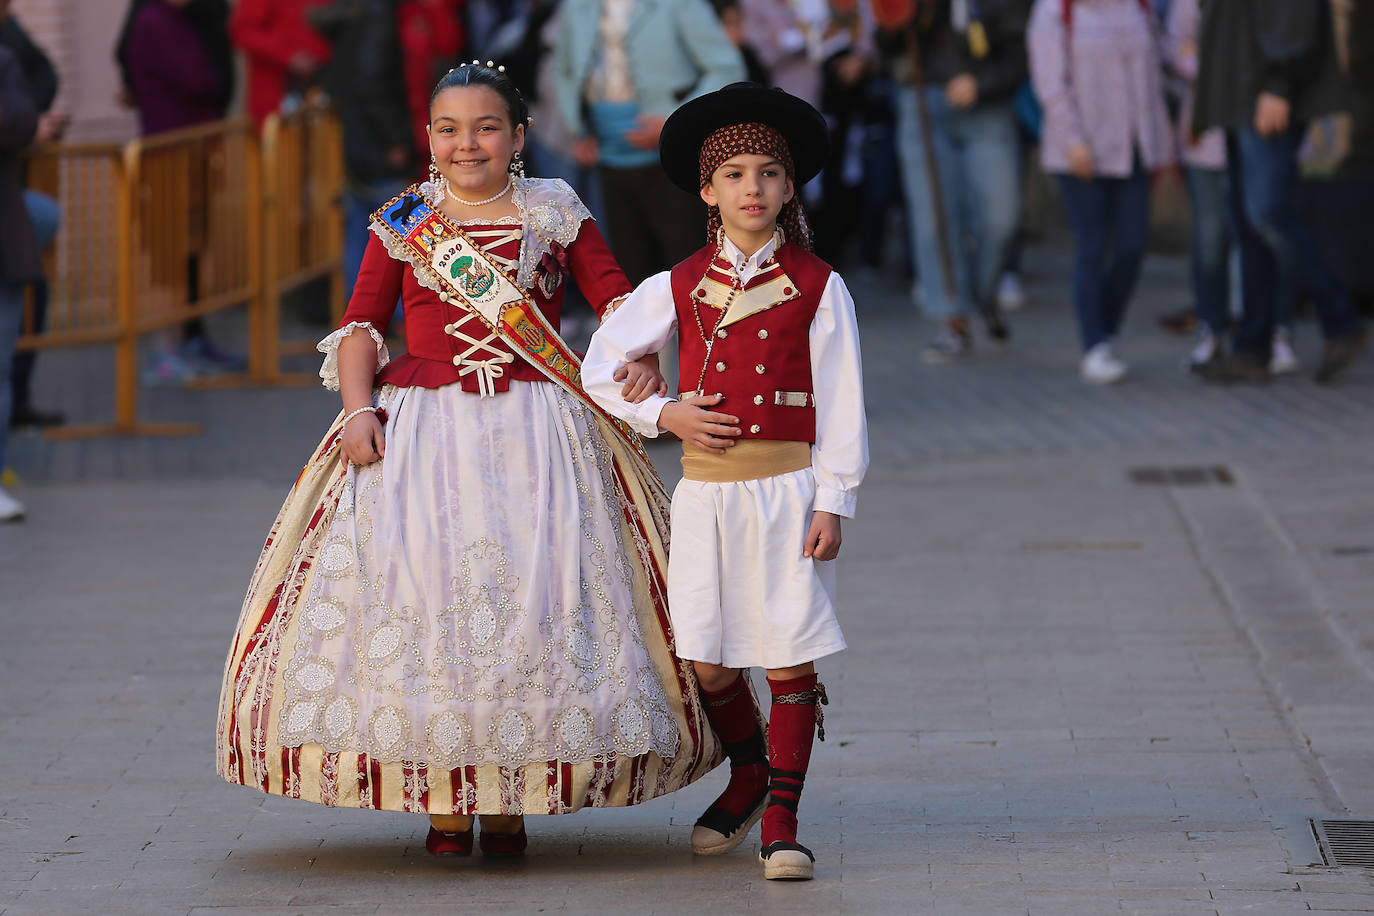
(550, 213)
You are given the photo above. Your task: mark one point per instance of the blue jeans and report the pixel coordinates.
(881, 189)
(977, 161)
(1279, 258)
(46, 217)
(1109, 217)
(11, 320)
(360, 202)
(1211, 246)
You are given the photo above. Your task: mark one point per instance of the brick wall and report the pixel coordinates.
(79, 36)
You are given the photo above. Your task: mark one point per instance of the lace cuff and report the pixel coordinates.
(329, 372)
(611, 306)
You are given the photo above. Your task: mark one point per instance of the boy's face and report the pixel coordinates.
(750, 190)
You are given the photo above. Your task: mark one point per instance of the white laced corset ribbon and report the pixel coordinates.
(481, 357)
(490, 365)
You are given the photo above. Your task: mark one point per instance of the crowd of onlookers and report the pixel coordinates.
(935, 107)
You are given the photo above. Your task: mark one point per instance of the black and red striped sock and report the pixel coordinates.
(734, 716)
(791, 730)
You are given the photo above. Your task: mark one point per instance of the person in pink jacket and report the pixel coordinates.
(1096, 68)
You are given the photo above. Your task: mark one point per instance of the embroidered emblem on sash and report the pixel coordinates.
(476, 279)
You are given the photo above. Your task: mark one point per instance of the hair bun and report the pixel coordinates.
(494, 77)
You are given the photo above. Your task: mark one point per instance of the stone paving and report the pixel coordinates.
(1066, 691)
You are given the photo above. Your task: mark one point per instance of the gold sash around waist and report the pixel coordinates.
(747, 459)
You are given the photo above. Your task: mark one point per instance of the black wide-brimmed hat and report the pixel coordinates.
(803, 127)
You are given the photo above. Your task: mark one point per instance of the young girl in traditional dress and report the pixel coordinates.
(460, 609)
(774, 445)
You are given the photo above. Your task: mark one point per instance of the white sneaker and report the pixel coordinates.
(11, 509)
(1282, 359)
(1204, 349)
(1010, 296)
(1101, 367)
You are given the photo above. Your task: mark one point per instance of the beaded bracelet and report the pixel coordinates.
(367, 409)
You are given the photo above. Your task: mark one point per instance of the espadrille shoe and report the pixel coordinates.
(718, 831)
(783, 861)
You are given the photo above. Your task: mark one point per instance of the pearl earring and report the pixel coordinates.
(436, 177)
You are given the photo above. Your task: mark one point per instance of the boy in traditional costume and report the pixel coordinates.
(774, 445)
(460, 610)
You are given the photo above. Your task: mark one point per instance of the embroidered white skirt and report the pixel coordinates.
(472, 602)
(740, 593)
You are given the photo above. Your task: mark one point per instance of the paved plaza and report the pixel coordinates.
(1110, 650)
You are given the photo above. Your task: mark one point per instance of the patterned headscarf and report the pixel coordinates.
(763, 140)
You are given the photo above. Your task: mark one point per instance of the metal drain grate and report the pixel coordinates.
(1186, 476)
(1346, 842)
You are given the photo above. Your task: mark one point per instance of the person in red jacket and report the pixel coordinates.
(283, 52)
(431, 34)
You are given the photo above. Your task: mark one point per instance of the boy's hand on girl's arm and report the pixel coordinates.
(641, 378)
(823, 538)
(689, 420)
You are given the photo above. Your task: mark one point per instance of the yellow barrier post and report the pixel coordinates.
(232, 251)
(302, 224)
(269, 340)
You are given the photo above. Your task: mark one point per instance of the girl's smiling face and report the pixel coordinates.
(472, 139)
(750, 190)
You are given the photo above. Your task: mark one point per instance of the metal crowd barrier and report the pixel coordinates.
(84, 279)
(182, 224)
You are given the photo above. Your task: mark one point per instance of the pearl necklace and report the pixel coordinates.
(448, 189)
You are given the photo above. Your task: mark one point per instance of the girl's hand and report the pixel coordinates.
(823, 538)
(692, 423)
(641, 379)
(363, 439)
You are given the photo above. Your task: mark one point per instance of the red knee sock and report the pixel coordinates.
(734, 716)
(791, 727)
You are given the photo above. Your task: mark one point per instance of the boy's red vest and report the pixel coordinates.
(760, 358)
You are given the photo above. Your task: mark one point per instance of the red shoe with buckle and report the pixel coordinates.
(439, 843)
